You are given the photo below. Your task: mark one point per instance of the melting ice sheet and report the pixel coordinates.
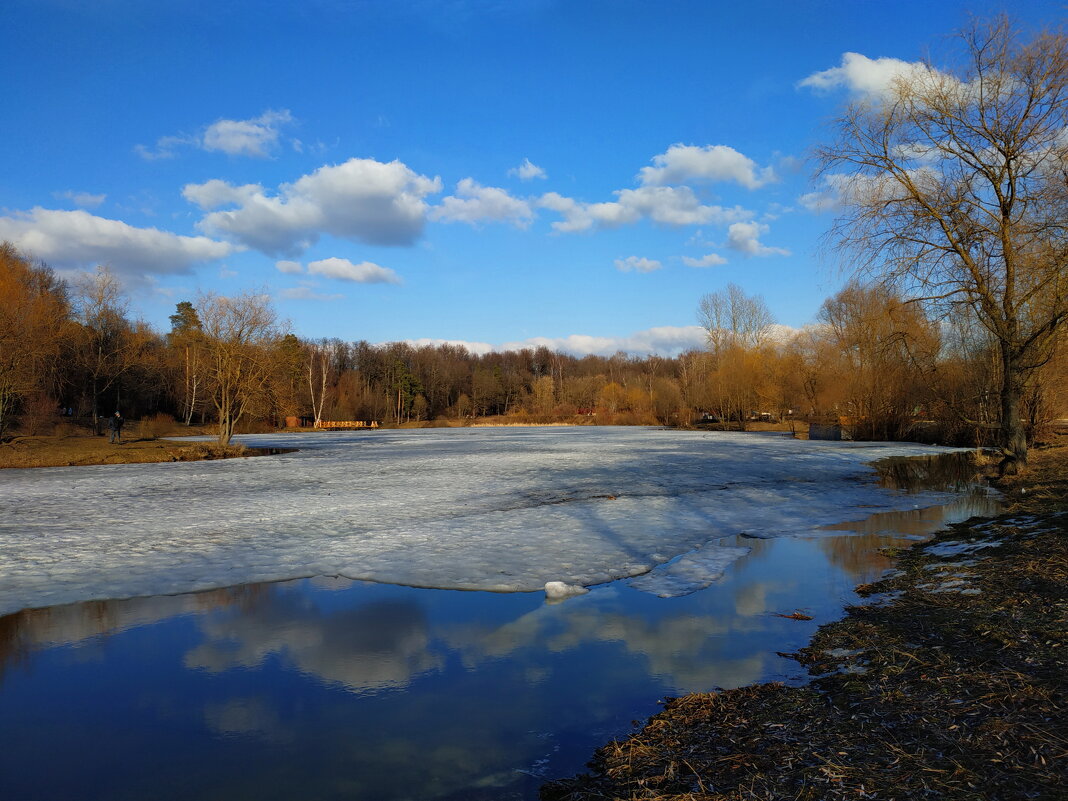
(503, 509)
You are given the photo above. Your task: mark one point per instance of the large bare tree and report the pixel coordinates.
(953, 187)
(238, 333)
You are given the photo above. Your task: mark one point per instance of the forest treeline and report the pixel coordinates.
(73, 352)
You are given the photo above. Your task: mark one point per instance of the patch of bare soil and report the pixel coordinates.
(951, 683)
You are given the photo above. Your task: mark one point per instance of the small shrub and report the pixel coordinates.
(39, 415)
(158, 425)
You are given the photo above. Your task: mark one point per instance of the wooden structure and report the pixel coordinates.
(346, 424)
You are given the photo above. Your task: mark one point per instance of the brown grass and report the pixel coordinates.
(86, 449)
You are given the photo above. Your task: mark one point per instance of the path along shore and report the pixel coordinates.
(950, 682)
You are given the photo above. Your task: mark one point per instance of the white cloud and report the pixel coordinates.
(306, 293)
(528, 171)
(663, 341)
(839, 188)
(166, 147)
(365, 272)
(779, 333)
(866, 76)
(361, 200)
(745, 238)
(257, 137)
(584, 216)
(289, 267)
(637, 264)
(215, 193)
(685, 163)
(709, 260)
(668, 205)
(477, 348)
(84, 199)
(474, 203)
(78, 238)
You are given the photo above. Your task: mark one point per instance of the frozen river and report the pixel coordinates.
(338, 689)
(502, 509)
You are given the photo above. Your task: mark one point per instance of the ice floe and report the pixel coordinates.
(486, 509)
(559, 590)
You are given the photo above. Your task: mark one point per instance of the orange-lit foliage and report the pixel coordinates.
(33, 310)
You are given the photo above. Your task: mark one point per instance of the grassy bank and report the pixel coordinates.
(87, 449)
(951, 683)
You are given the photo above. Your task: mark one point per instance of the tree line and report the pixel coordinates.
(873, 362)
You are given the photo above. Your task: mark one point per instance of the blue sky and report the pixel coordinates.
(576, 174)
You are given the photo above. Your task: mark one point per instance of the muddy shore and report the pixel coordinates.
(951, 681)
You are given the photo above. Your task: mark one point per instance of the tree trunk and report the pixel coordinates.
(1013, 435)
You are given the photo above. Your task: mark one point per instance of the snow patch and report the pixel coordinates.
(559, 590)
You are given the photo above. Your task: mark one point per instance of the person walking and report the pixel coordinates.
(115, 429)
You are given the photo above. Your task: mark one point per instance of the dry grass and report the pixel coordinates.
(86, 449)
(927, 693)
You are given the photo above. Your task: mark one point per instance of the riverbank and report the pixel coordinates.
(86, 449)
(951, 682)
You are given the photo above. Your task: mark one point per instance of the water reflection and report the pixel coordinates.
(378, 645)
(957, 472)
(334, 689)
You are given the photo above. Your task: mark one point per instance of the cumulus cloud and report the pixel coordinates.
(78, 239)
(668, 205)
(663, 341)
(361, 200)
(637, 264)
(709, 260)
(215, 193)
(258, 137)
(84, 199)
(289, 267)
(528, 171)
(474, 203)
(744, 237)
(866, 76)
(365, 272)
(685, 163)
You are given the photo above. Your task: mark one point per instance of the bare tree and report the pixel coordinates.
(730, 317)
(737, 326)
(238, 334)
(318, 363)
(107, 346)
(955, 188)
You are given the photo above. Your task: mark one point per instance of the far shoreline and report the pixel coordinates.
(89, 450)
